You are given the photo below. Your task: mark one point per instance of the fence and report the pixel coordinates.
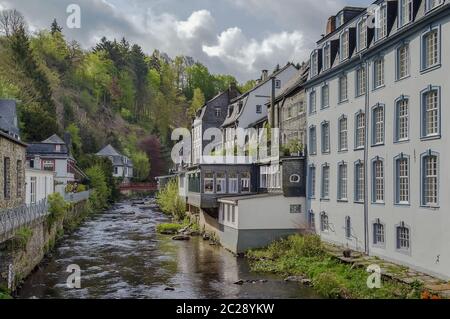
(12, 220)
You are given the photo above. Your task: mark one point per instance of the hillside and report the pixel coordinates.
(113, 93)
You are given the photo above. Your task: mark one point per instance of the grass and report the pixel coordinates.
(4, 293)
(169, 228)
(305, 255)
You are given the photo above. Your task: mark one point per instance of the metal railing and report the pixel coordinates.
(11, 220)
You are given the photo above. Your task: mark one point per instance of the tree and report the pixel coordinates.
(197, 102)
(97, 180)
(55, 28)
(152, 147)
(141, 165)
(11, 21)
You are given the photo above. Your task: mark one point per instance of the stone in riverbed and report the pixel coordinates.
(168, 232)
(239, 282)
(181, 237)
(169, 289)
(306, 282)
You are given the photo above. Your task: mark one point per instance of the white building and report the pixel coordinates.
(122, 165)
(39, 185)
(378, 152)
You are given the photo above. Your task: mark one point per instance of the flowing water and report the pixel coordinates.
(121, 256)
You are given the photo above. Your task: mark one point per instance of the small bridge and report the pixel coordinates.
(138, 187)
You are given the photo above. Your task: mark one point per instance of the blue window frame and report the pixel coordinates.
(325, 183)
(342, 182)
(360, 81)
(378, 124)
(325, 137)
(432, 4)
(312, 182)
(401, 116)
(379, 233)
(344, 45)
(430, 49)
(359, 182)
(430, 112)
(325, 96)
(378, 185)
(360, 130)
(312, 102)
(429, 186)
(405, 12)
(402, 178)
(343, 133)
(378, 72)
(312, 140)
(402, 61)
(326, 56)
(403, 238)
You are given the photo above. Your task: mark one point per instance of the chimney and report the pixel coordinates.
(331, 25)
(265, 75)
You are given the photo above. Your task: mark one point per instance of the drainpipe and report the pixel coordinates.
(272, 104)
(366, 158)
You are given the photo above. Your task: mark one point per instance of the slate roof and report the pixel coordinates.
(117, 158)
(8, 117)
(47, 148)
(54, 139)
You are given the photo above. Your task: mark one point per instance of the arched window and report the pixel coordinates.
(378, 180)
(324, 224)
(343, 133)
(360, 134)
(430, 179)
(401, 119)
(378, 124)
(403, 237)
(401, 163)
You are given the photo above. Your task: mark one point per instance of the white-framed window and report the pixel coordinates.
(431, 121)
(221, 183)
(33, 190)
(218, 112)
(312, 102)
(402, 179)
(403, 237)
(378, 73)
(361, 81)
(406, 12)
(402, 119)
(359, 182)
(325, 96)
(343, 133)
(233, 183)
(360, 133)
(378, 181)
(312, 140)
(325, 137)
(362, 34)
(325, 182)
(327, 56)
(312, 181)
(430, 179)
(431, 4)
(348, 227)
(431, 48)
(403, 59)
(378, 125)
(208, 181)
(324, 222)
(381, 23)
(342, 181)
(378, 233)
(343, 88)
(345, 45)
(48, 165)
(339, 20)
(245, 182)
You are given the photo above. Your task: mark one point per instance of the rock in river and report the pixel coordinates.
(181, 237)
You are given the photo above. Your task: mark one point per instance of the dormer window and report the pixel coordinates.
(381, 23)
(58, 148)
(431, 4)
(315, 63)
(327, 56)
(362, 34)
(406, 11)
(230, 110)
(345, 45)
(218, 112)
(339, 20)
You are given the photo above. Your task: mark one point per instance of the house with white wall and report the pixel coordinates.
(122, 165)
(39, 185)
(378, 152)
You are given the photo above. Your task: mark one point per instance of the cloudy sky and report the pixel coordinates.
(238, 37)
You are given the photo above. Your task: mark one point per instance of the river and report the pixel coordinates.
(121, 256)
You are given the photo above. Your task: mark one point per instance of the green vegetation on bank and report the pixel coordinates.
(305, 255)
(4, 293)
(169, 228)
(170, 202)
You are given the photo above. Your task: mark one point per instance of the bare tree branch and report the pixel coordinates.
(11, 21)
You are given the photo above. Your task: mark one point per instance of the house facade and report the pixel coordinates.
(39, 185)
(53, 155)
(377, 151)
(12, 158)
(122, 165)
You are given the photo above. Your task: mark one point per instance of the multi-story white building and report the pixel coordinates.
(378, 167)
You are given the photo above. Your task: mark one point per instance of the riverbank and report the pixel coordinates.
(306, 257)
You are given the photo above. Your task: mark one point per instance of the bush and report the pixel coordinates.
(328, 285)
(101, 193)
(57, 208)
(22, 237)
(170, 202)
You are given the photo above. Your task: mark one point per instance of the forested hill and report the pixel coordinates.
(113, 93)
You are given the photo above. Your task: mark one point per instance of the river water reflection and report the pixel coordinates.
(121, 256)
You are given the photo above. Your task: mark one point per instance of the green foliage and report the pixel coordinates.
(247, 86)
(77, 144)
(4, 293)
(21, 238)
(305, 256)
(168, 228)
(170, 202)
(197, 102)
(100, 191)
(57, 209)
(141, 165)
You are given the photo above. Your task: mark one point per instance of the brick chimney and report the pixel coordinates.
(331, 25)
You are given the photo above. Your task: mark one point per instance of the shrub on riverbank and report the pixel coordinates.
(4, 293)
(57, 209)
(169, 228)
(170, 202)
(305, 256)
